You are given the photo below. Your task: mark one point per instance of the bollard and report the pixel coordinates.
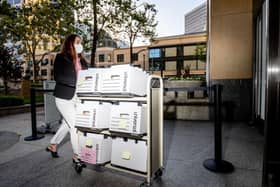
(217, 164)
(34, 135)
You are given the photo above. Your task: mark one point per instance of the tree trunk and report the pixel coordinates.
(6, 86)
(131, 53)
(34, 68)
(95, 34)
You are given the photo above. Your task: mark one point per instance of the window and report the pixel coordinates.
(120, 58)
(52, 72)
(135, 56)
(14, 2)
(154, 65)
(109, 57)
(101, 58)
(195, 64)
(44, 72)
(171, 51)
(154, 53)
(45, 62)
(52, 62)
(189, 50)
(170, 65)
(190, 63)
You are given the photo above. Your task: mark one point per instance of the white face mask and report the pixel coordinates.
(78, 48)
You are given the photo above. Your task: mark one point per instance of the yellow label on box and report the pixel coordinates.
(89, 142)
(126, 155)
(123, 123)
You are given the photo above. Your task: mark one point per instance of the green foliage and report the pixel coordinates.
(6, 101)
(7, 15)
(37, 22)
(10, 68)
(38, 99)
(98, 16)
(200, 52)
(37, 85)
(192, 77)
(135, 21)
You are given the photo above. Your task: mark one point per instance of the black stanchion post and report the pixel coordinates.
(34, 135)
(218, 122)
(217, 164)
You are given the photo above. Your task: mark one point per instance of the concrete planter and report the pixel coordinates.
(182, 83)
(181, 106)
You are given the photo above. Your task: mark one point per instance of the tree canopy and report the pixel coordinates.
(137, 20)
(37, 22)
(10, 67)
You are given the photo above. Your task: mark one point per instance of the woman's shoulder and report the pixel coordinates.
(62, 57)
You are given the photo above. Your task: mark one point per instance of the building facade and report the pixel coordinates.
(196, 20)
(244, 57)
(169, 54)
(163, 56)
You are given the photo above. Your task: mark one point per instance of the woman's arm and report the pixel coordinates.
(64, 72)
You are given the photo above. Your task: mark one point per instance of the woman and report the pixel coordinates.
(66, 67)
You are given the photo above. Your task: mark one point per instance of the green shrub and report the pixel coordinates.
(37, 85)
(192, 77)
(6, 101)
(39, 99)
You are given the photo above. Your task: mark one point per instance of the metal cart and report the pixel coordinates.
(154, 135)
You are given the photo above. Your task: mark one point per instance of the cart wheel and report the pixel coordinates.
(159, 173)
(78, 168)
(145, 184)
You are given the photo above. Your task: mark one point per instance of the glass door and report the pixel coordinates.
(260, 64)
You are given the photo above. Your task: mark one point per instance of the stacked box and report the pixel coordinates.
(94, 148)
(88, 82)
(124, 80)
(130, 154)
(92, 114)
(128, 117)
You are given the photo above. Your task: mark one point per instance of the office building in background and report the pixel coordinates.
(196, 20)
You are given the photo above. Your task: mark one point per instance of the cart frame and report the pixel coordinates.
(154, 136)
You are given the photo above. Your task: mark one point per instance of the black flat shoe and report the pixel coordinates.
(78, 162)
(53, 153)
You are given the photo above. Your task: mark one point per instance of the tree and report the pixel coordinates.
(7, 15)
(39, 22)
(10, 67)
(100, 16)
(200, 52)
(136, 20)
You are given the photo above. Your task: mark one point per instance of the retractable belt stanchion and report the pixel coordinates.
(34, 135)
(217, 164)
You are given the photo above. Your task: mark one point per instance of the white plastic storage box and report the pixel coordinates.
(94, 148)
(88, 82)
(128, 117)
(124, 80)
(93, 114)
(131, 154)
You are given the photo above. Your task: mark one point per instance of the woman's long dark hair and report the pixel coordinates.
(68, 46)
(69, 49)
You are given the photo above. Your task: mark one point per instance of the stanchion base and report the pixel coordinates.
(31, 138)
(220, 167)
